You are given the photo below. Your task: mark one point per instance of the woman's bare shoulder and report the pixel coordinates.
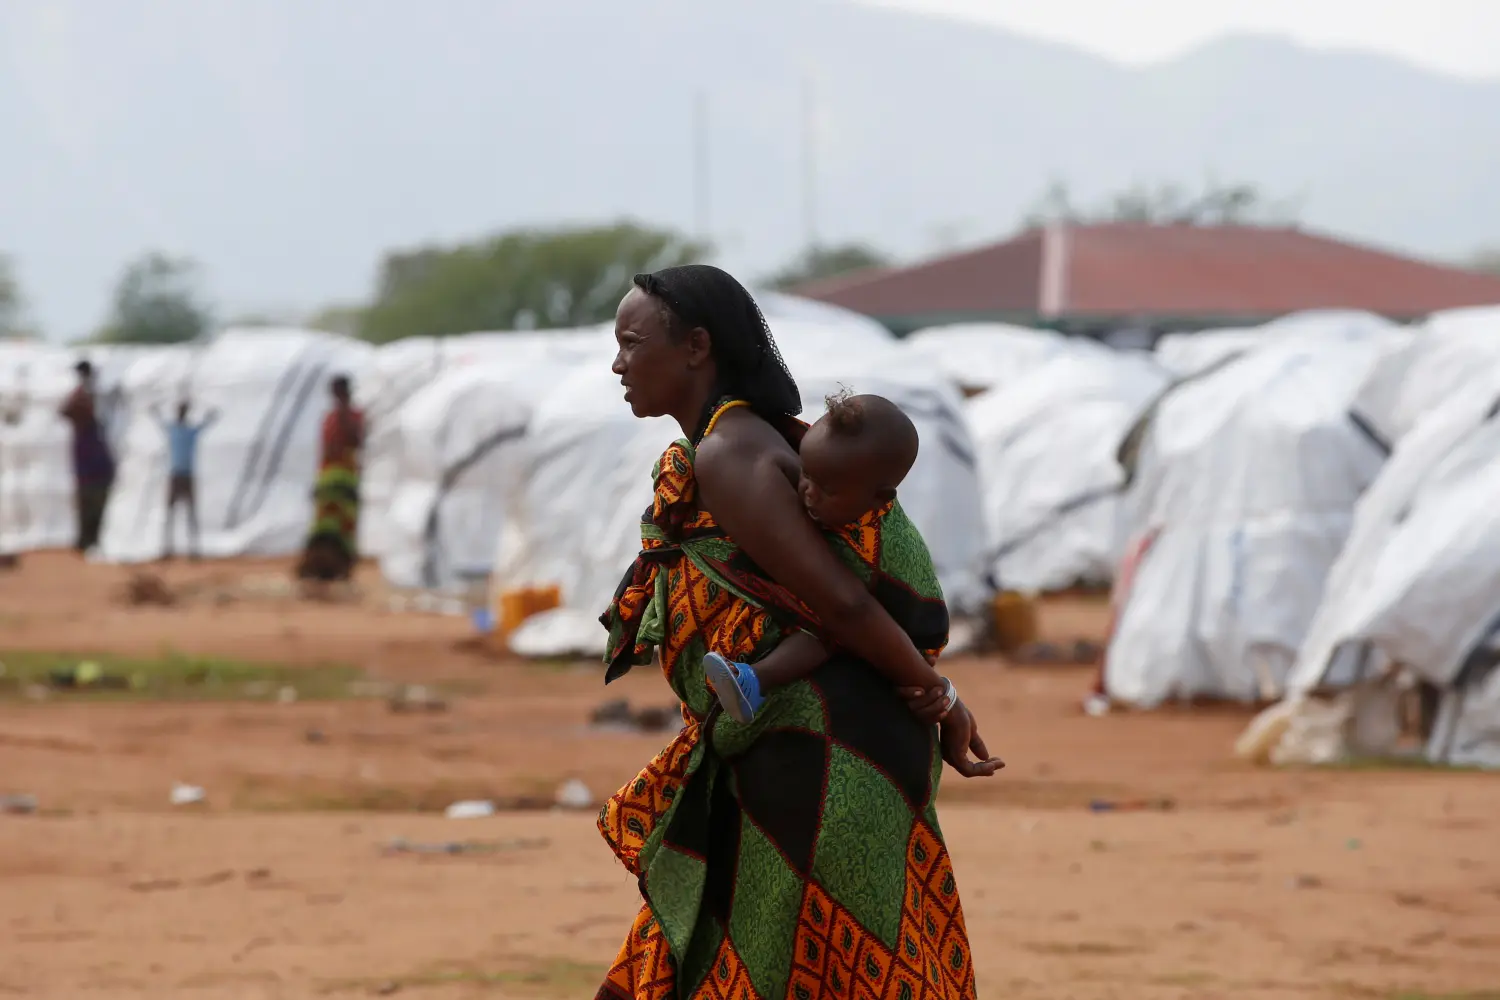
(741, 440)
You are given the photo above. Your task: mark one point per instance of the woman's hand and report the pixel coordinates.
(959, 736)
(928, 704)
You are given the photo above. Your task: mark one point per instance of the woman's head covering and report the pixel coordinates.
(749, 365)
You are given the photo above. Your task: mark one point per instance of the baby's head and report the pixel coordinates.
(854, 458)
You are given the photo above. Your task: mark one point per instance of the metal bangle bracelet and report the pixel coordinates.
(950, 695)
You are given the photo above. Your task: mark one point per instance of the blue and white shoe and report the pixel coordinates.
(736, 685)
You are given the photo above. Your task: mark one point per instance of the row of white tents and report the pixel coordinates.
(1313, 519)
(1307, 502)
(523, 437)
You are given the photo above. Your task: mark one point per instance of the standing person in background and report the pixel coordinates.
(182, 445)
(93, 465)
(331, 549)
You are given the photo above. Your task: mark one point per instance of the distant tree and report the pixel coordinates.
(818, 263)
(341, 319)
(1486, 260)
(525, 279)
(1055, 204)
(12, 303)
(156, 302)
(263, 320)
(1165, 204)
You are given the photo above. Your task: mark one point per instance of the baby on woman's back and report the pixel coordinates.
(853, 459)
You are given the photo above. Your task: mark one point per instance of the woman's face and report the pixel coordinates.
(658, 373)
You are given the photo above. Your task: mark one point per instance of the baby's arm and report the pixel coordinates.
(794, 657)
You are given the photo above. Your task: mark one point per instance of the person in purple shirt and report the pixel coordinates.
(182, 445)
(93, 465)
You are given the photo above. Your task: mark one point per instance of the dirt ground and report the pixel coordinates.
(284, 882)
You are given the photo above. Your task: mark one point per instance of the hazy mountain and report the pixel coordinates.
(286, 144)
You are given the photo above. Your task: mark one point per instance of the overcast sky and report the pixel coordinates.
(1461, 37)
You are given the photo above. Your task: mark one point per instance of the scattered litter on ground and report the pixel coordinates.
(611, 712)
(149, 590)
(202, 881)
(400, 845)
(1096, 705)
(1044, 653)
(287, 695)
(574, 794)
(1132, 805)
(17, 805)
(619, 716)
(1085, 651)
(268, 585)
(416, 698)
(187, 795)
(426, 602)
(86, 674)
(315, 736)
(470, 809)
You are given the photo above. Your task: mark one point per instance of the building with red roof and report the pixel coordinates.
(1096, 277)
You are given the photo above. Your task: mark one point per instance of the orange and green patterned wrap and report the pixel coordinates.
(799, 856)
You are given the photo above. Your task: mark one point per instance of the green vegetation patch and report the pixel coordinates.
(171, 677)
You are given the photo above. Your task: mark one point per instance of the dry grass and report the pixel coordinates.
(172, 676)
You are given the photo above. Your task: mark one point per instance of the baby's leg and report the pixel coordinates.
(740, 687)
(795, 657)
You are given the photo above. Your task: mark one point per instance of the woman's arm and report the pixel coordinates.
(744, 475)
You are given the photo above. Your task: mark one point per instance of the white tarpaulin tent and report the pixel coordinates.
(1418, 574)
(1049, 477)
(1188, 353)
(256, 464)
(407, 453)
(980, 356)
(1418, 582)
(587, 481)
(398, 371)
(1446, 356)
(456, 449)
(36, 479)
(780, 309)
(36, 471)
(1245, 488)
